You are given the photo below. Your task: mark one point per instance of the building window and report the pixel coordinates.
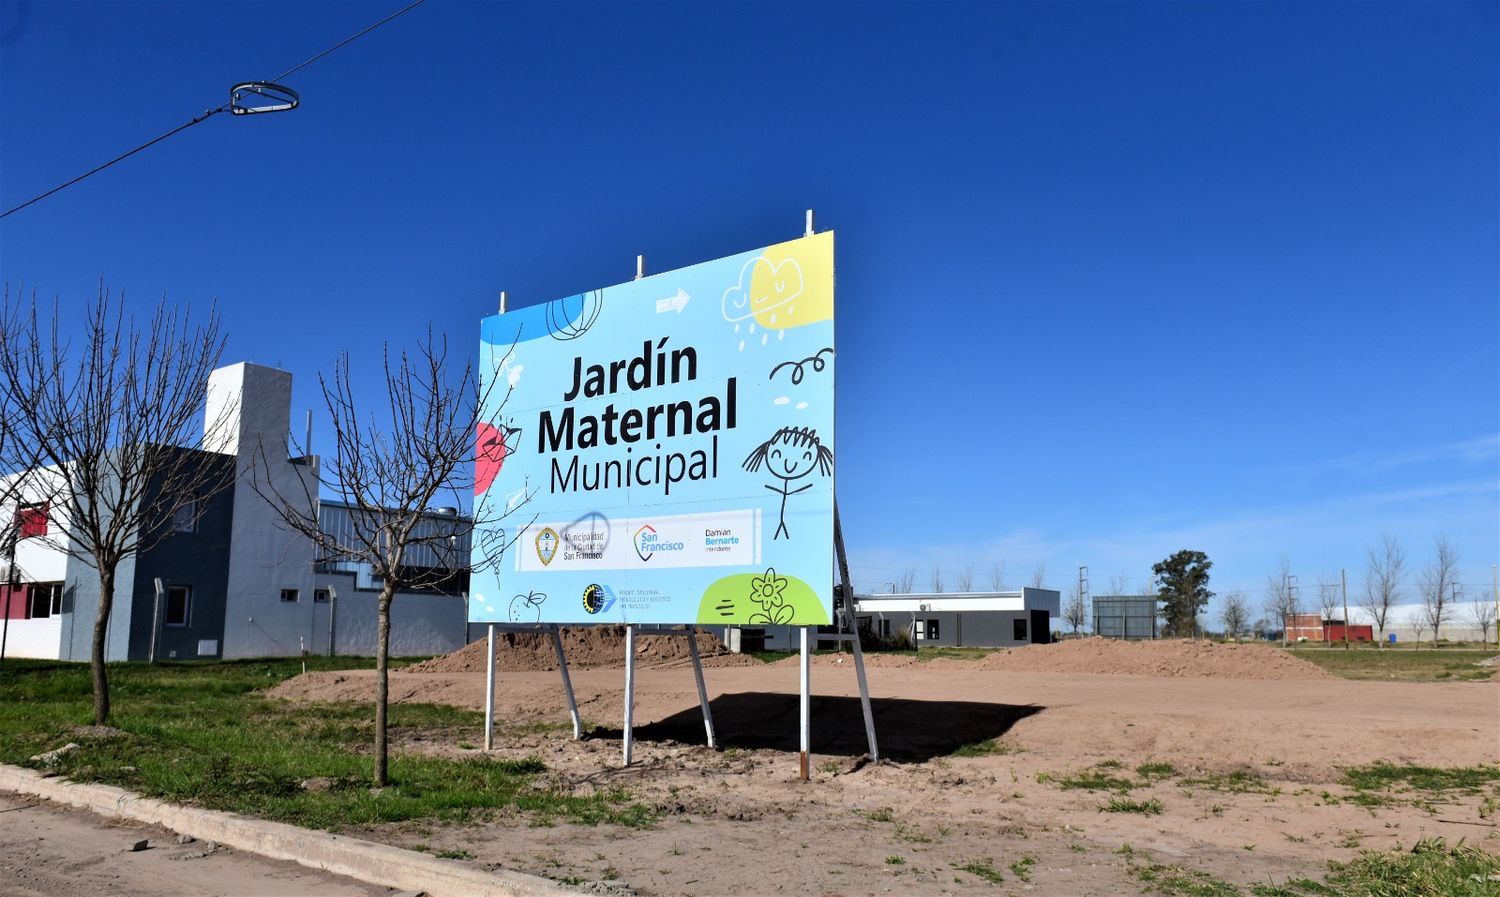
(289, 596)
(932, 629)
(1020, 630)
(179, 606)
(320, 596)
(31, 520)
(185, 517)
(43, 599)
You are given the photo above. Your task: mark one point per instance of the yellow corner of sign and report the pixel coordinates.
(792, 283)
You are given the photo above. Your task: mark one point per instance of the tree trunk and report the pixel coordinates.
(382, 688)
(101, 630)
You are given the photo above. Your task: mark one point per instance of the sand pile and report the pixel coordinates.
(586, 646)
(1166, 657)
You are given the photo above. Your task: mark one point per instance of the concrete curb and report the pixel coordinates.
(376, 864)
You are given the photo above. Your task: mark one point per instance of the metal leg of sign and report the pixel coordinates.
(864, 697)
(562, 664)
(489, 688)
(708, 716)
(629, 691)
(804, 716)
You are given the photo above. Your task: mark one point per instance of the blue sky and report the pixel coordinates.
(1114, 280)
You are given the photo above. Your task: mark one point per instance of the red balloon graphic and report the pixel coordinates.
(489, 457)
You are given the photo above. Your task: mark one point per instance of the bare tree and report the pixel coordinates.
(1417, 619)
(390, 472)
(966, 579)
(1116, 585)
(1235, 614)
(1075, 611)
(997, 576)
(1384, 569)
(1438, 585)
(1039, 575)
(1282, 601)
(1482, 615)
(908, 581)
(937, 577)
(109, 437)
(1329, 604)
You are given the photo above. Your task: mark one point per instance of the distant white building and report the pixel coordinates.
(234, 582)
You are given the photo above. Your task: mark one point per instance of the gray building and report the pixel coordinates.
(963, 619)
(234, 581)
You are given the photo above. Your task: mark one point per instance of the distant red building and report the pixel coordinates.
(1313, 628)
(1333, 631)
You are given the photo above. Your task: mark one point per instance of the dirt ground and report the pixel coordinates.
(48, 851)
(925, 821)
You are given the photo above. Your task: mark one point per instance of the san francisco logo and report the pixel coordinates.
(644, 538)
(546, 545)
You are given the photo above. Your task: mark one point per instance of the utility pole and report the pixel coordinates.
(1344, 585)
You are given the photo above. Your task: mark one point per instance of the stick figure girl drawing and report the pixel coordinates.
(789, 455)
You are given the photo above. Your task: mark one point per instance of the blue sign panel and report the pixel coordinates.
(664, 450)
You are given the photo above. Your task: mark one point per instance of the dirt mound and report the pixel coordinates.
(1167, 657)
(586, 647)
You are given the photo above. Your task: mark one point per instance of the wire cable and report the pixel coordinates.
(208, 113)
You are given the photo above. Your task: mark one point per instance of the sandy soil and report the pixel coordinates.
(736, 821)
(49, 851)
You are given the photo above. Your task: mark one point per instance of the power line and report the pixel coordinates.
(208, 113)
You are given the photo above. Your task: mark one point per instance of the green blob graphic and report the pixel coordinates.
(762, 599)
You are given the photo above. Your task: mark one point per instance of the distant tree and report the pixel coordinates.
(1482, 615)
(966, 578)
(1075, 611)
(1117, 585)
(1235, 614)
(937, 577)
(1039, 575)
(1282, 600)
(907, 581)
(1330, 606)
(1417, 620)
(1437, 584)
(1183, 590)
(108, 438)
(1384, 569)
(997, 577)
(392, 473)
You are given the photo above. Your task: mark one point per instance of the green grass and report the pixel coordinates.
(1150, 807)
(1237, 782)
(200, 734)
(1177, 881)
(1088, 780)
(987, 748)
(1382, 776)
(1400, 664)
(1430, 869)
(1384, 784)
(985, 869)
(1153, 771)
(1022, 868)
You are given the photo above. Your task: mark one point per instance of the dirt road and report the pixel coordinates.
(1247, 784)
(51, 851)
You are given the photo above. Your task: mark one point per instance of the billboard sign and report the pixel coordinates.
(666, 448)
